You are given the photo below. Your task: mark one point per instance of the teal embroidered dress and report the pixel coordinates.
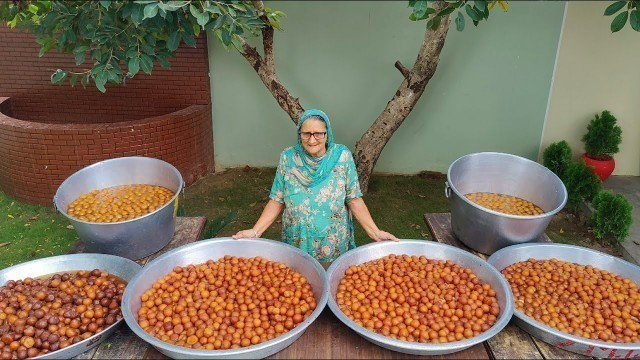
(315, 192)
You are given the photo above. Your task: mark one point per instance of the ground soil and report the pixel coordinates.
(566, 227)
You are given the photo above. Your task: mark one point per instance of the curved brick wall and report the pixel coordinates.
(26, 79)
(61, 129)
(36, 157)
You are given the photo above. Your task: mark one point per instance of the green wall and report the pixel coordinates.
(489, 92)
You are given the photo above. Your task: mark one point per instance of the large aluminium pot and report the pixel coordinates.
(486, 230)
(135, 238)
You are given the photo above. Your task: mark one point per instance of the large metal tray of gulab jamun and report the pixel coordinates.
(582, 256)
(214, 249)
(118, 266)
(431, 250)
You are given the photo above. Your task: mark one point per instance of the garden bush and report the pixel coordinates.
(611, 216)
(603, 137)
(582, 184)
(557, 157)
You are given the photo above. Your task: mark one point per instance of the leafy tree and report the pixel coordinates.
(121, 38)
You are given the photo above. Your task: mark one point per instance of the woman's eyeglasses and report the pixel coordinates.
(318, 135)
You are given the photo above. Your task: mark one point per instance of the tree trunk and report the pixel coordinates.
(266, 69)
(370, 145)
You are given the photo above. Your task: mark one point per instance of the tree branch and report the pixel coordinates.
(373, 141)
(267, 74)
(405, 72)
(267, 35)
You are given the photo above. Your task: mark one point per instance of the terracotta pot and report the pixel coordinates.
(602, 168)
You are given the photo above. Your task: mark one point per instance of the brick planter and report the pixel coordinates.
(36, 157)
(47, 132)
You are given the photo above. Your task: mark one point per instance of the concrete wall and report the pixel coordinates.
(596, 70)
(490, 91)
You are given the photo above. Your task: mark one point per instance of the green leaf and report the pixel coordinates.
(172, 5)
(216, 225)
(100, 80)
(480, 4)
(150, 11)
(137, 14)
(174, 41)
(148, 49)
(212, 8)
(105, 3)
(446, 11)
(189, 40)
(434, 22)
(473, 14)
(460, 21)
(619, 21)
(420, 8)
(162, 60)
(194, 11)
(73, 80)
(134, 65)
(203, 19)
(236, 43)
(215, 25)
(255, 22)
(85, 80)
(80, 56)
(226, 37)
(614, 8)
(112, 76)
(146, 64)
(634, 20)
(58, 76)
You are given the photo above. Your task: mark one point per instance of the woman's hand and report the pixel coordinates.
(243, 234)
(380, 235)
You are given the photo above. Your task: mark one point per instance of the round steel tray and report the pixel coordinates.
(431, 250)
(213, 249)
(583, 256)
(115, 265)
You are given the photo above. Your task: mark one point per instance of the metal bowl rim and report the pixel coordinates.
(87, 168)
(53, 354)
(577, 339)
(153, 341)
(449, 347)
(493, 212)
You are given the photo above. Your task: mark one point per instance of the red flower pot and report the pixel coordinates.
(602, 168)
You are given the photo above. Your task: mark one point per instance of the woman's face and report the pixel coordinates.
(313, 135)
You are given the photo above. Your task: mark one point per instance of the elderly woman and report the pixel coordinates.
(317, 186)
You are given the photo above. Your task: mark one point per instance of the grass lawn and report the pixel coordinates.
(232, 200)
(28, 232)
(237, 196)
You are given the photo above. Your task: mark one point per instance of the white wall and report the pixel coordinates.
(596, 70)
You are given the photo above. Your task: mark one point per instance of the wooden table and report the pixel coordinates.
(512, 342)
(327, 337)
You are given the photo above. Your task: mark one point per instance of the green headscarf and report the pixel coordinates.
(312, 170)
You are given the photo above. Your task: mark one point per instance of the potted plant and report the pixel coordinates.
(600, 143)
